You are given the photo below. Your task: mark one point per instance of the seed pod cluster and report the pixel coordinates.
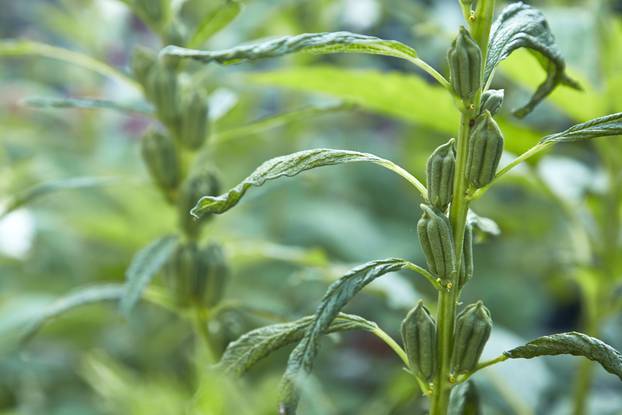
(194, 121)
(163, 87)
(197, 275)
(435, 237)
(492, 100)
(204, 183)
(419, 338)
(465, 66)
(473, 327)
(160, 156)
(484, 152)
(466, 265)
(440, 175)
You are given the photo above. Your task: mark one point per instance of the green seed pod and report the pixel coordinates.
(473, 327)
(419, 338)
(163, 91)
(466, 265)
(491, 101)
(436, 240)
(205, 183)
(160, 156)
(155, 11)
(440, 180)
(213, 285)
(465, 64)
(194, 121)
(143, 61)
(186, 271)
(484, 153)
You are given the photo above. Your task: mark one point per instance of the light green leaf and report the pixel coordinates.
(521, 26)
(573, 343)
(215, 22)
(25, 48)
(483, 225)
(599, 127)
(40, 190)
(337, 296)
(253, 346)
(291, 165)
(89, 103)
(465, 400)
(144, 266)
(75, 299)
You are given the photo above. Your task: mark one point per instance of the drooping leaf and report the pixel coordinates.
(316, 43)
(522, 26)
(253, 346)
(75, 299)
(465, 400)
(291, 165)
(599, 127)
(43, 189)
(26, 47)
(573, 343)
(215, 22)
(484, 226)
(89, 103)
(144, 266)
(337, 296)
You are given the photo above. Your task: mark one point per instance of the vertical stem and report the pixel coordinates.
(480, 27)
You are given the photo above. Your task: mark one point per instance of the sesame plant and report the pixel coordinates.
(440, 350)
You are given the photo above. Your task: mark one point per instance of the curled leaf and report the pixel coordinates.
(522, 26)
(573, 343)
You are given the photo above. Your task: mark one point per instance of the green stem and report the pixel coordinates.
(425, 274)
(480, 27)
(204, 335)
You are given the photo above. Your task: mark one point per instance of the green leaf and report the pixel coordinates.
(144, 266)
(215, 22)
(40, 190)
(465, 400)
(522, 26)
(25, 48)
(75, 299)
(599, 127)
(253, 346)
(573, 343)
(337, 296)
(89, 103)
(316, 43)
(291, 165)
(403, 96)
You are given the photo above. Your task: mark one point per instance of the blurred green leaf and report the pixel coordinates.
(599, 127)
(465, 400)
(89, 103)
(214, 23)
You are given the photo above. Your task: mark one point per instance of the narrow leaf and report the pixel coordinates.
(573, 343)
(316, 43)
(291, 165)
(144, 266)
(522, 26)
(25, 48)
(89, 103)
(78, 298)
(213, 23)
(243, 353)
(337, 296)
(43, 189)
(465, 400)
(598, 127)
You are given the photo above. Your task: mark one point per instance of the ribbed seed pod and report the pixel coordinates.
(143, 61)
(436, 240)
(440, 180)
(160, 156)
(205, 183)
(213, 286)
(466, 265)
(492, 100)
(419, 338)
(473, 327)
(163, 91)
(465, 64)
(186, 271)
(485, 149)
(194, 121)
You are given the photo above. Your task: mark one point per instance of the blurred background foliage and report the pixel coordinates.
(288, 240)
